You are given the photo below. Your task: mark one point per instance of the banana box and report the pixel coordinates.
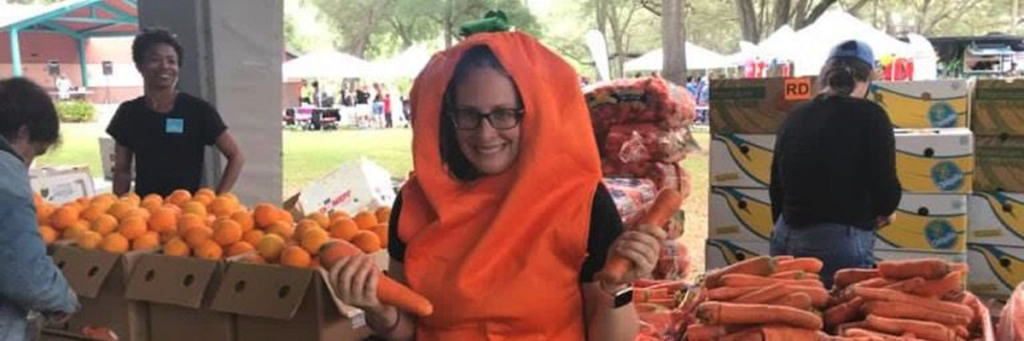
(998, 107)
(1000, 164)
(935, 160)
(897, 255)
(923, 104)
(756, 106)
(927, 222)
(737, 214)
(994, 270)
(996, 218)
(743, 161)
(720, 253)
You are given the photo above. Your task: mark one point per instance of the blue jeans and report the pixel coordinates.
(838, 246)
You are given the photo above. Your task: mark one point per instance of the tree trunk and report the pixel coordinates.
(673, 41)
(1015, 18)
(782, 13)
(748, 20)
(449, 14)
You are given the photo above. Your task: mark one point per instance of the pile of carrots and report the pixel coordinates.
(921, 299)
(762, 299)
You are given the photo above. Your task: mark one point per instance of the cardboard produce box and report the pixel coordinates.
(996, 218)
(897, 255)
(740, 215)
(1000, 164)
(994, 270)
(756, 106)
(351, 187)
(998, 107)
(178, 291)
(61, 185)
(280, 303)
(927, 222)
(935, 160)
(721, 253)
(107, 157)
(100, 279)
(743, 161)
(923, 104)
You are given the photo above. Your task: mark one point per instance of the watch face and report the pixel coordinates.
(624, 297)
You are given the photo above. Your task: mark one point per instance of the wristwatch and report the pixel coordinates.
(622, 297)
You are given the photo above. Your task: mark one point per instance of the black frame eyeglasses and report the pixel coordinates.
(499, 119)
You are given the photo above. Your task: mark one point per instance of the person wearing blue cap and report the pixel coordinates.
(833, 180)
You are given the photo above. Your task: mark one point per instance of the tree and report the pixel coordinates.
(927, 17)
(760, 19)
(356, 21)
(615, 19)
(673, 37)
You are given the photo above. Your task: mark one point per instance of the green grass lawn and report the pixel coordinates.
(79, 146)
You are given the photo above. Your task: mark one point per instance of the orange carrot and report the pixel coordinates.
(728, 294)
(780, 333)
(797, 300)
(851, 325)
(670, 285)
(926, 303)
(743, 335)
(758, 266)
(950, 284)
(913, 312)
(906, 285)
(389, 291)
(665, 205)
(782, 258)
(763, 295)
(807, 264)
(926, 330)
(819, 296)
(704, 332)
(734, 313)
(844, 313)
(847, 277)
(647, 295)
(742, 280)
(861, 332)
(928, 268)
(795, 274)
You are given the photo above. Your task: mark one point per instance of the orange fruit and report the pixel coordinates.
(150, 240)
(189, 220)
(296, 257)
(285, 216)
(209, 250)
(43, 213)
(252, 236)
(48, 233)
(88, 240)
(163, 220)
(37, 199)
(194, 207)
(270, 247)
(153, 198)
(204, 199)
(210, 219)
(366, 241)
(73, 231)
(239, 248)
(283, 229)
(206, 191)
(381, 231)
(104, 200)
(140, 213)
(120, 209)
(339, 215)
(365, 220)
(197, 236)
(313, 239)
(223, 207)
(132, 227)
(344, 229)
(114, 243)
(152, 207)
(64, 217)
(133, 198)
(231, 197)
(227, 232)
(383, 214)
(177, 247)
(320, 218)
(305, 225)
(245, 220)
(104, 224)
(92, 212)
(179, 197)
(265, 214)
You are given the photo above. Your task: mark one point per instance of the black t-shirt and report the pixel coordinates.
(835, 162)
(605, 227)
(362, 97)
(168, 147)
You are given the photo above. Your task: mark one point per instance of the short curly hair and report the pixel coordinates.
(151, 37)
(25, 104)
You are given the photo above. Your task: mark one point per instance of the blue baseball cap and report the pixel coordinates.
(853, 49)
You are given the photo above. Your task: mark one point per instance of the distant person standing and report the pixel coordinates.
(63, 87)
(387, 110)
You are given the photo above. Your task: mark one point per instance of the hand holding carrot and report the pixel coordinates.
(642, 247)
(355, 280)
(620, 268)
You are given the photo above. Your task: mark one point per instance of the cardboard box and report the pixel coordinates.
(740, 215)
(100, 280)
(107, 157)
(280, 303)
(743, 161)
(1000, 164)
(923, 104)
(755, 106)
(996, 218)
(998, 107)
(897, 255)
(62, 185)
(178, 291)
(935, 160)
(350, 187)
(720, 253)
(927, 222)
(994, 270)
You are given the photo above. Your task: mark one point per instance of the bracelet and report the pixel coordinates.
(391, 329)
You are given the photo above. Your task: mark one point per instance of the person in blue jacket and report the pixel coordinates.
(29, 281)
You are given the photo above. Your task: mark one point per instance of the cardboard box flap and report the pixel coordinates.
(345, 309)
(262, 290)
(85, 270)
(171, 280)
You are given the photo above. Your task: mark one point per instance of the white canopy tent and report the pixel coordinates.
(783, 45)
(697, 58)
(327, 65)
(925, 59)
(815, 41)
(407, 64)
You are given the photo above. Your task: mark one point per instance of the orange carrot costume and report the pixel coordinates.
(500, 257)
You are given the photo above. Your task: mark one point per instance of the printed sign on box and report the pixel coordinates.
(923, 104)
(743, 161)
(935, 160)
(754, 106)
(996, 218)
(994, 270)
(62, 185)
(349, 188)
(927, 222)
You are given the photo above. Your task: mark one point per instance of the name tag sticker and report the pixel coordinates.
(175, 126)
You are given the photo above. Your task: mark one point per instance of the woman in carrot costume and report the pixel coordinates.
(503, 222)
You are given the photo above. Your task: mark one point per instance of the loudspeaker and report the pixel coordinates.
(53, 68)
(108, 68)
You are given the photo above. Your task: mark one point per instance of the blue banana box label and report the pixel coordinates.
(720, 253)
(737, 214)
(742, 161)
(994, 270)
(935, 160)
(998, 107)
(923, 104)
(996, 218)
(927, 222)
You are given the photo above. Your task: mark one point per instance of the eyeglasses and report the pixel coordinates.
(500, 119)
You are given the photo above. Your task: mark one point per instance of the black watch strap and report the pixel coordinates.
(623, 297)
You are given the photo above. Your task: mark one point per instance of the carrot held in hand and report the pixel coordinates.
(389, 291)
(665, 205)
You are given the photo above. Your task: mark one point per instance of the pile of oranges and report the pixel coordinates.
(206, 225)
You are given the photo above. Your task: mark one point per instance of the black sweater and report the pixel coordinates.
(835, 162)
